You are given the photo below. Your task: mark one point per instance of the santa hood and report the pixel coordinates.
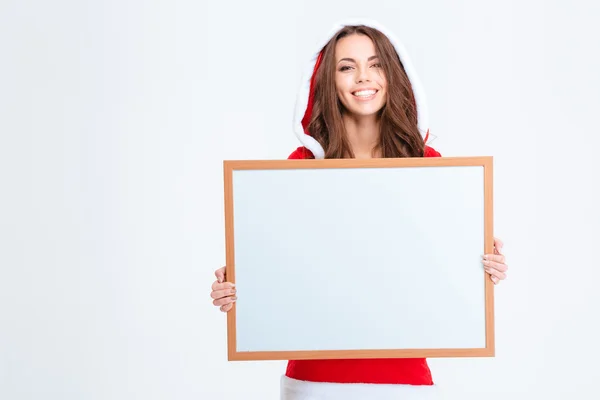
(304, 101)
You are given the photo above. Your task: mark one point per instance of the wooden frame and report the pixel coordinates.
(230, 168)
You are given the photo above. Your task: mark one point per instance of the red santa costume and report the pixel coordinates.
(347, 379)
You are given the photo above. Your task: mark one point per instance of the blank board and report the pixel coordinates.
(378, 258)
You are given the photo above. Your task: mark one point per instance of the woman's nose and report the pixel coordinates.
(362, 75)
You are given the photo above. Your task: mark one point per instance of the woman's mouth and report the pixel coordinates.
(365, 94)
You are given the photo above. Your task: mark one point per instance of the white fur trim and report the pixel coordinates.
(292, 389)
(302, 99)
(301, 103)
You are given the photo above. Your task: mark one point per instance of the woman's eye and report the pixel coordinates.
(376, 65)
(345, 68)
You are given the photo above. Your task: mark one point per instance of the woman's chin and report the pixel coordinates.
(365, 112)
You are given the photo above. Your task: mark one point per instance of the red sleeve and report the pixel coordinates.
(301, 153)
(431, 152)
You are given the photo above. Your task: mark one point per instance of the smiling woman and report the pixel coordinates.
(362, 100)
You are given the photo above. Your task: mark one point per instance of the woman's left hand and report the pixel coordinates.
(495, 264)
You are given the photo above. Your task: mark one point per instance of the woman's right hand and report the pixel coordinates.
(223, 293)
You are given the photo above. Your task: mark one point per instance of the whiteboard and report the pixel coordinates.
(359, 258)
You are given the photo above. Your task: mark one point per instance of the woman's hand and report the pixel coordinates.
(494, 264)
(223, 293)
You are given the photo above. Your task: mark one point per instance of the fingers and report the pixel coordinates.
(499, 258)
(495, 265)
(225, 301)
(498, 245)
(496, 270)
(221, 286)
(220, 274)
(224, 292)
(495, 273)
(226, 307)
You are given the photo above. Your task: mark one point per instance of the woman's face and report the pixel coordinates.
(359, 79)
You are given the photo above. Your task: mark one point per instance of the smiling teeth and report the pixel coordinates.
(365, 93)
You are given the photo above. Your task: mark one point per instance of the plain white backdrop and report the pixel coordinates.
(115, 118)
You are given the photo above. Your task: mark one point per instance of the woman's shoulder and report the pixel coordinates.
(301, 153)
(431, 152)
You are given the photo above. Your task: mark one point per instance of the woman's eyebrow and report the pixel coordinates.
(354, 61)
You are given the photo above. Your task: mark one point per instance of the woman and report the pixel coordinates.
(363, 100)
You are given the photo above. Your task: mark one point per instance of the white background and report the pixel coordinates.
(115, 118)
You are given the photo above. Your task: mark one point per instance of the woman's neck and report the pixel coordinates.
(363, 135)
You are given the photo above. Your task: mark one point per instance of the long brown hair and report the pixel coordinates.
(399, 133)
